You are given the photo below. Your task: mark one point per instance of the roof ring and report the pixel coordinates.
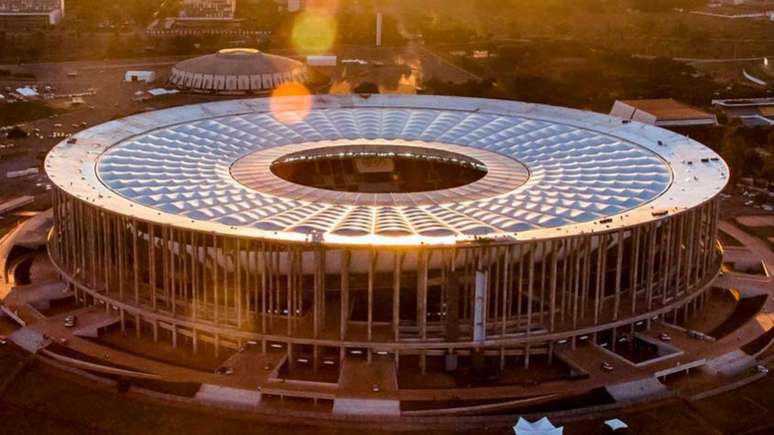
(241, 51)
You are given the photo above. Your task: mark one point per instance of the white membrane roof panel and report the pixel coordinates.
(586, 172)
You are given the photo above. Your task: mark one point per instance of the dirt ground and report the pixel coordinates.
(112, 99)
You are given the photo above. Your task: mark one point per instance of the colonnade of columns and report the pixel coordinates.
(527, 296)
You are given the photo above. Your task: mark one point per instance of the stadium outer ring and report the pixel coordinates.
(671, 256)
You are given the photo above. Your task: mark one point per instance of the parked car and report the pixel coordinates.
(226, 371)
(70, 321)
(664, 337)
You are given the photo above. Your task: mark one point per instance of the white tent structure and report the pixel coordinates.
(157, 92)
(27, 92)
(616, 424)
(540, 427)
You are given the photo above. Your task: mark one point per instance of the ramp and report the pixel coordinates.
(356, 396)
(29, 340)
(731, 363)
(228, 396)
(636, 389)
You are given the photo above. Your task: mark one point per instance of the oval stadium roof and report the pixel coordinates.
(552, 172)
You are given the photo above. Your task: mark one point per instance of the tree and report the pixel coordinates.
(366, 88)
(16, 132)
(142, 11)
(737, 153)
(767, 173)
(260, 14)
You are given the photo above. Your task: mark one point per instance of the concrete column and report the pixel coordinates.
(344, 300)
(396, 271)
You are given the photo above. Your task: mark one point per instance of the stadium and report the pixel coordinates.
(400, 249)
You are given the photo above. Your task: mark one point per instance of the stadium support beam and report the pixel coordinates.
(396, 270)
(422, 260)
(530, 281)
(618, 274)
(372, 258)
(346, 256)
(135, 264)
(651, 265)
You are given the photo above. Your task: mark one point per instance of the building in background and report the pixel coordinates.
(237, 71)
(207, 9)
(752, 112)
(737, 9)
(665, 112)
(294, 5)
(322, 60)
(379, 29)
(24, 15)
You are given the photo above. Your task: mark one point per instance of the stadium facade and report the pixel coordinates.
(437, 232)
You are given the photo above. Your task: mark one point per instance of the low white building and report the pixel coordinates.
(753, 112)
(22, 173)
(321, 60)
(140, 76)
(539, 427)
(665, 112)
(29, 14)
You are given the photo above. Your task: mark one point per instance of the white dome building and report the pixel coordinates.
(237, 71)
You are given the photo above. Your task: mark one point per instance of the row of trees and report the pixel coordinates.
(91, 15)
(570, 73)
(749, 151)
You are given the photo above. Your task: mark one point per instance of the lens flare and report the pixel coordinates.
(314, 31)
(291, 102)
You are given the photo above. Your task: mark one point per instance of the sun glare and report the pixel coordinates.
(314, 31)
(291, 102)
